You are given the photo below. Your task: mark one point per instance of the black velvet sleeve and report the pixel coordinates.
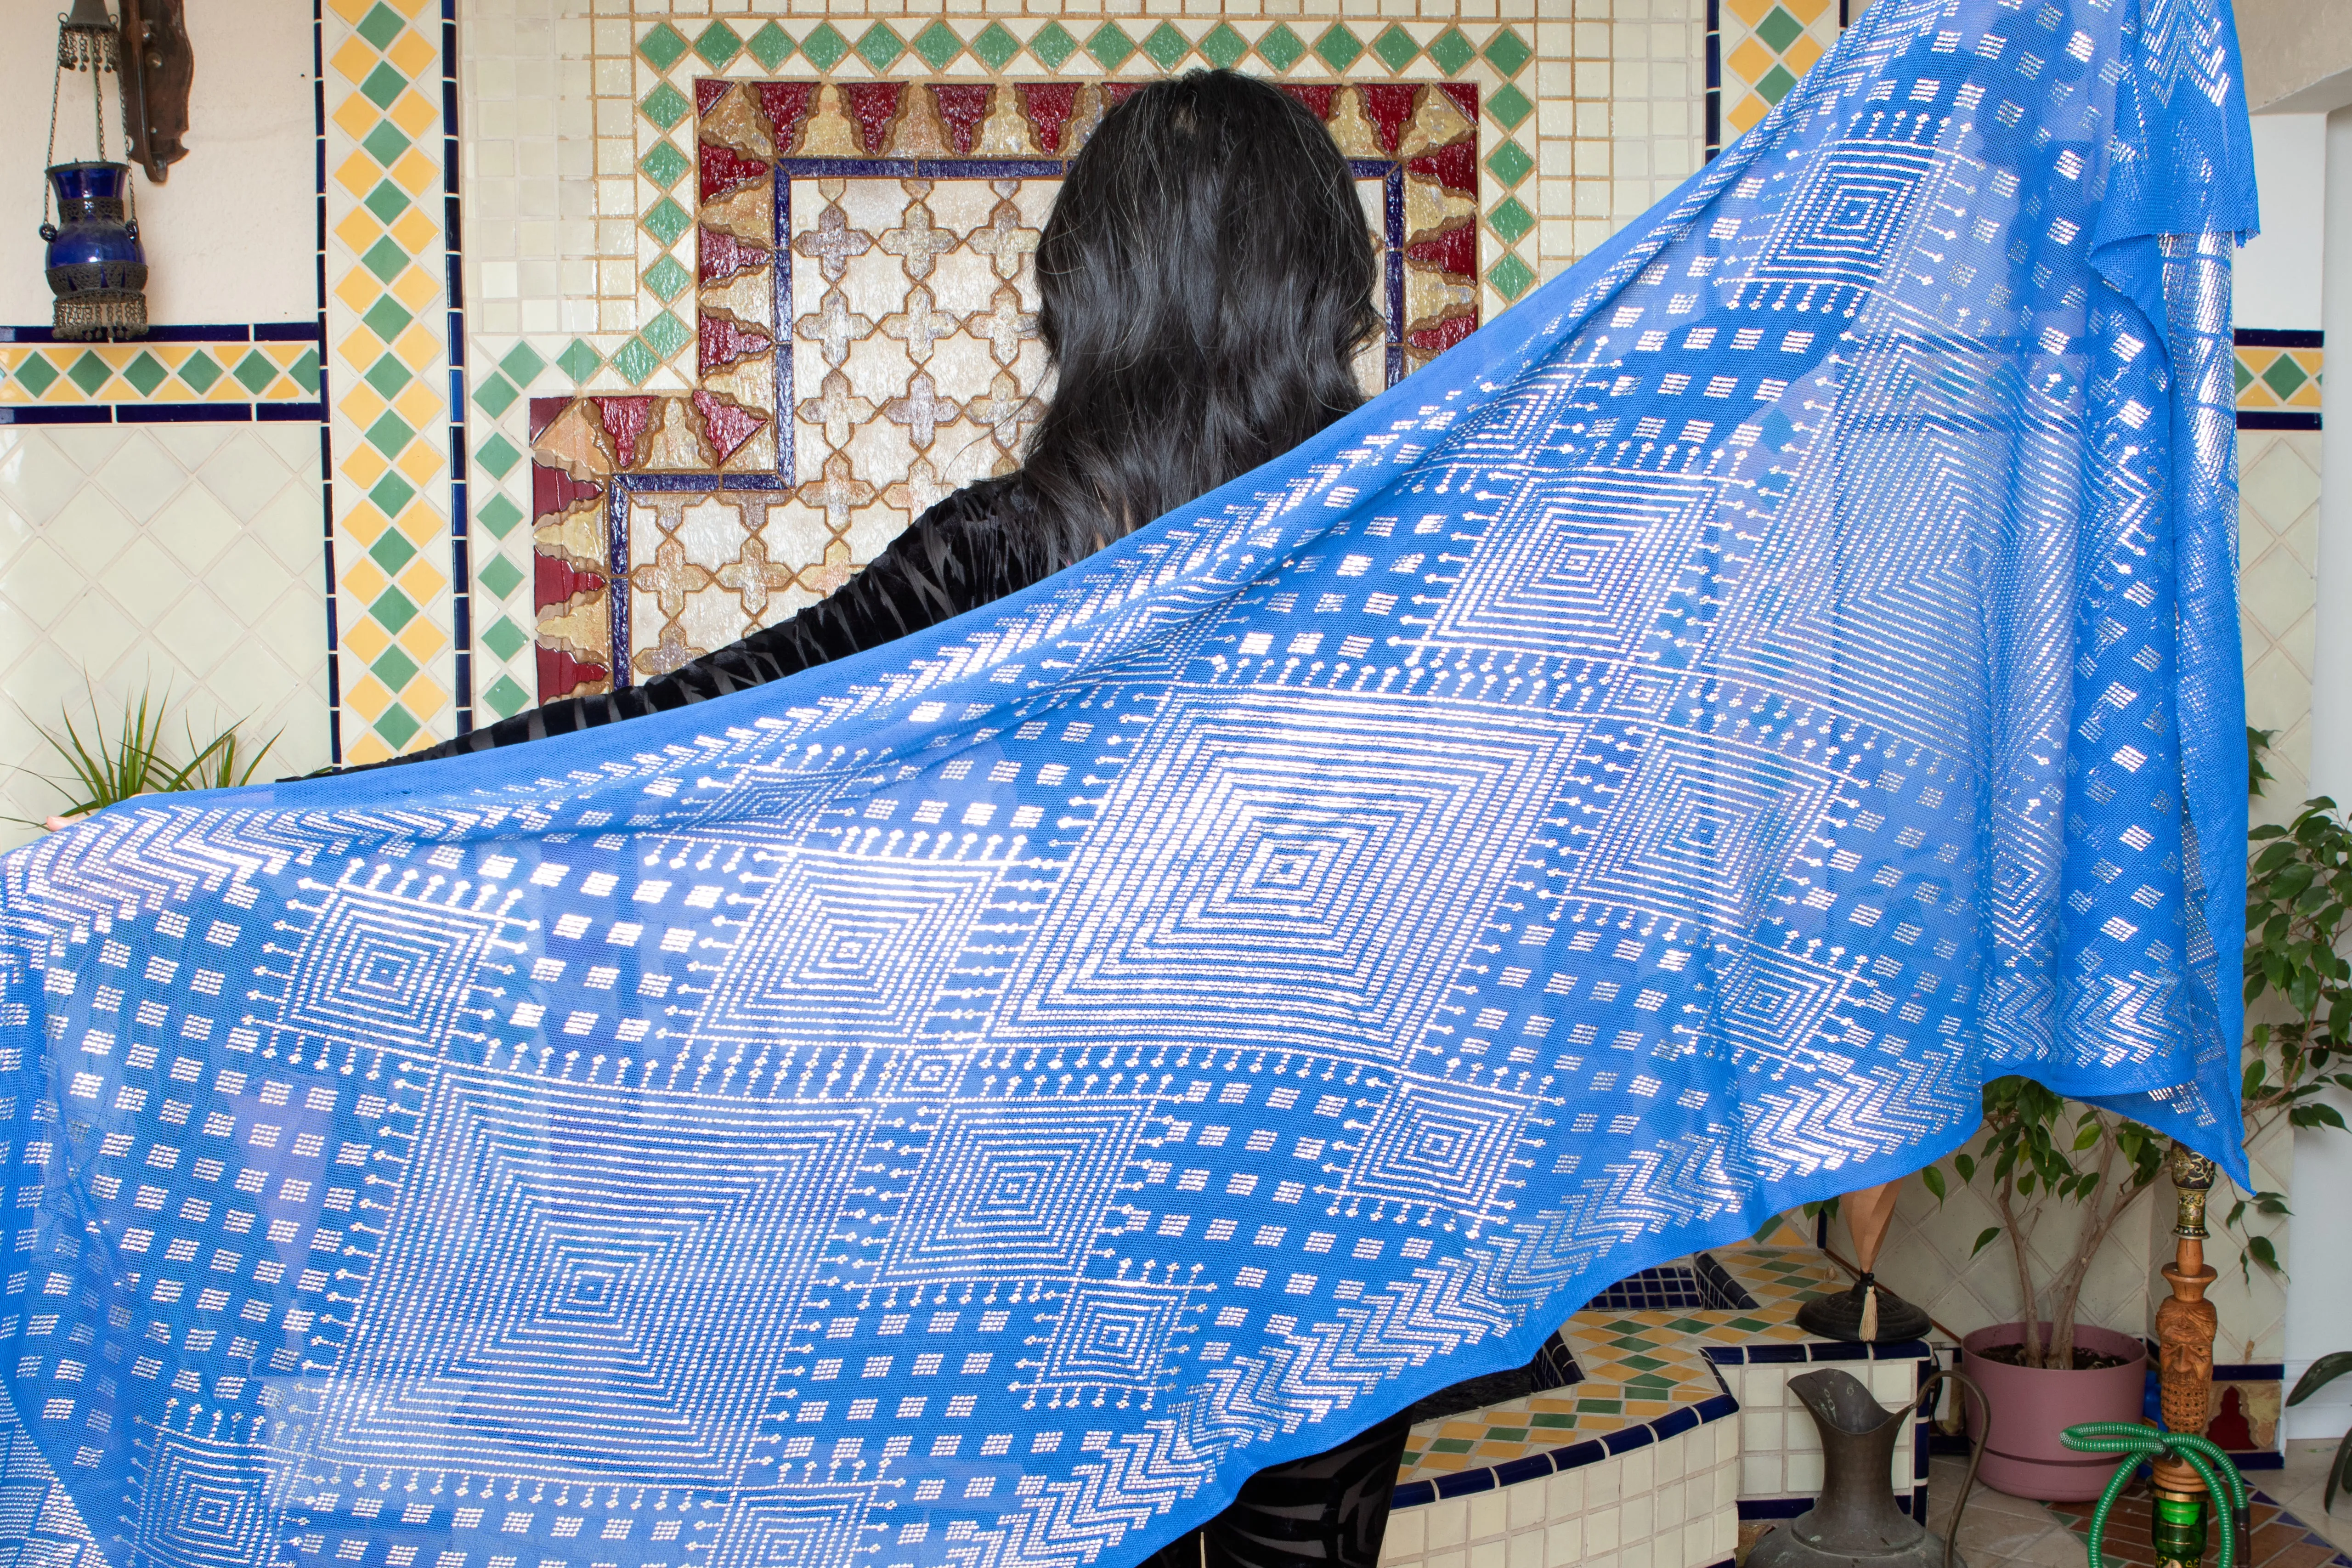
(970, 549)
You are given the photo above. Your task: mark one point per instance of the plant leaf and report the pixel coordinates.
(2319, 1374)
(1984, 1240)
(1934, 1180)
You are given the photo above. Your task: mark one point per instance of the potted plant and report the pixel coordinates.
(103, 770)
(2038, 1152)
(2316, 1376)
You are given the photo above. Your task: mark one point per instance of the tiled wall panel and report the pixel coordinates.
(179, 558)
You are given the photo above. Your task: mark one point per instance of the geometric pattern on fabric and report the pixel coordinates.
(1331, 853)
(979, 1101)
(561, 1283)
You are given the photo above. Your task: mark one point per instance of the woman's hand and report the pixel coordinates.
(52, 823)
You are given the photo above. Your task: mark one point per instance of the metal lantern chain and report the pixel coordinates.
(97, 267)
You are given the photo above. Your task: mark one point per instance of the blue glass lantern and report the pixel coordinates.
(97, 268)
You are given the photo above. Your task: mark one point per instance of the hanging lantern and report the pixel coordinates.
(97, 268)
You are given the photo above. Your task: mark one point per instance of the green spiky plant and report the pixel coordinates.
(103, 770)
(2316, 1376)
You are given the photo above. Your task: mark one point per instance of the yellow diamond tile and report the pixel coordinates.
(353, 58)
(368, 695)
(366, 521)
(414, 59)
(1746, 112)
(421, 582)
(368, 639)
(350, 10)
(424, 642)
(369, 748)
(419, 404)
(418, 347)
(414, 171)
(408, 8)
(362, 405)
(1750, 60)
(358, 174)
(421, 462)
(365, 467)
(417, 288)
(355, 117)
(1806, 11)
(358, 289)
(364, 577)
(424, 697)
(362, 348)
(358, 229)
(414, 231)
(1752, 12)
(1800, 55)
(412, 114)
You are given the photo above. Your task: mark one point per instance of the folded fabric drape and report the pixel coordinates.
(980, 1101)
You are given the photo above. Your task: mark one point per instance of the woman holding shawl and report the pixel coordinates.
(1206, 278)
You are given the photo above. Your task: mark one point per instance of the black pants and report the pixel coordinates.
(1328, 1510)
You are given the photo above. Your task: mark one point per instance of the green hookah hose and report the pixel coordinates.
(2146, 1443)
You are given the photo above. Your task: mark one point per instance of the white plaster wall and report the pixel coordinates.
(233, 235)
(2276, 281)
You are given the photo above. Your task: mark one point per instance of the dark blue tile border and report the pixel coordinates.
(199, 332)
(2276, 419)
(2279, 338)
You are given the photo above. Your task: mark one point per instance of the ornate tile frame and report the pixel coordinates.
(753, 137)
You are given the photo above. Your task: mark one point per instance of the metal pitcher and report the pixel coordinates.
(1855, 1520)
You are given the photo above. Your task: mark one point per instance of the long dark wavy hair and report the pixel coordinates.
(1206, 276)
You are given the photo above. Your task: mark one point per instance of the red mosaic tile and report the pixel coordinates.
(1048, 106)
(873, 105)
(625, 421)
(786, 105)
(718, 256)
(723, 169)
(962, 107)
(1388, 106)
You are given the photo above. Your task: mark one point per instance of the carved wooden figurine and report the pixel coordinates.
(2185, 1326)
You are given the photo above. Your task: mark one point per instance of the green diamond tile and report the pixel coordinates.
(1779, 30)
(305, 371)
(665, 106)
(994, 46)
(37, 374)
(1280, 47)
(1396, 48)
(394, 667)
(385, 258)
(385, 143)
(1452, 51)
(1509, 106)
(667, 221)
(665, 334)
(390, 434)
(89, 372)
(937, 44)
(387, 318)
(501, 577)
(1166, 45)
(1774, 84)
(718, 45)
(254, 372)
(1222, 46)
(1507, 52)
(393, 609)
(201, 370)
(506, 639)
(666, 279)
(380, 25)
(388, 375)
(1510, 277)
(505, 698)
(391, 551)
(2283, 377)
(665, 166)
(1642, 1363)
(879, 47)
(388, 201)
(1599, 1406)
(1451, 1446)
(146, 373)
(1749, 1325)
(1338, 47)
(498, 455)
(522, 363)
(2245, 376)
(1510, 162)
(1510, 219)
(1053, 44)
(662, 45)
(396, 725)
(382, 85)
(636, 362)
(499, 515)
(1110, 46)
(770, 46)
(496, 394)
(825, 48)
(579, 362)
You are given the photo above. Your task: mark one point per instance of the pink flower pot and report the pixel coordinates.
(2031, 1405)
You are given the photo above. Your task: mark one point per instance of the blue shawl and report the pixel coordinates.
(979, 1101)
